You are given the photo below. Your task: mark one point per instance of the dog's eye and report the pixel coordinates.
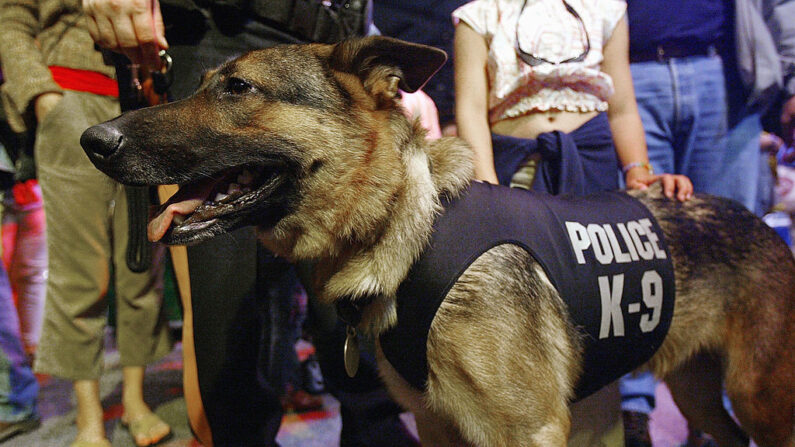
(237, 86)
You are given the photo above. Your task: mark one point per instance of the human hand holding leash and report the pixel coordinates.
(132, 27)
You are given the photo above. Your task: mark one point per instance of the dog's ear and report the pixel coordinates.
(384, 63)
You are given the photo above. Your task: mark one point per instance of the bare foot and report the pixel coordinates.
(90, 425)
(144, 426)
(90, 432)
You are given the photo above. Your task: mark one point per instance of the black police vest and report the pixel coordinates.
(604, 254)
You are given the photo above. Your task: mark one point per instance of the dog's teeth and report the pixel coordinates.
(220, 196)
(245, 177)
(233, 188)
(178, 219)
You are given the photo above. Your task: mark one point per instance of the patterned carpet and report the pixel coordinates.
(164, 394)
(163, 388)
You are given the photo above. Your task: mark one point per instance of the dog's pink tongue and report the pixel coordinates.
(183, 202)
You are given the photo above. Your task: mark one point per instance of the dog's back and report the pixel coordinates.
(735, 281)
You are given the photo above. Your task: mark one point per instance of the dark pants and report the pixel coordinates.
(232, 332)
(369, 416)
(228, 299)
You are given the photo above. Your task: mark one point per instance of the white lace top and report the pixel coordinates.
(548, 31)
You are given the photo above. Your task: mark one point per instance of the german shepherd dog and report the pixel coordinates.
(309, 144)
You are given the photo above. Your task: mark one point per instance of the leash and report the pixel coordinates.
(144, 90)
(139, 250)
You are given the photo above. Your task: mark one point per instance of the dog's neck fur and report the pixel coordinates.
(372, 270)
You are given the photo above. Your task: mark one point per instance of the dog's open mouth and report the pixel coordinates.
(199, 205)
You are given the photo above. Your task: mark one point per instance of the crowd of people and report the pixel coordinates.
(560, 96)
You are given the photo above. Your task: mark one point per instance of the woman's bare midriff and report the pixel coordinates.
(535, 123)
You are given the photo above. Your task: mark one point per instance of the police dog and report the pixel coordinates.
(309, 144)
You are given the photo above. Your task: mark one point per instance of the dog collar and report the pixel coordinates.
(350, 311)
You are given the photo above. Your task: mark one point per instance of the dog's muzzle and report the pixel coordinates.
(101, 141)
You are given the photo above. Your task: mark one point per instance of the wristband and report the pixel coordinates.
(637, 164)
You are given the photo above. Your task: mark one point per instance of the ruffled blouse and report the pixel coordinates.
(545, 30)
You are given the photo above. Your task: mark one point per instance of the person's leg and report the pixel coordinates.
(655, 90)
(637, 403)
(18, 386)
(369, 416)
(141, 330)
(29, 270)
(283, 372)
(9, 229)
(280, 289)
(77, 199)
(242, 409)
(152, 429)
(702, 130)
(740, 173)
(90, 425)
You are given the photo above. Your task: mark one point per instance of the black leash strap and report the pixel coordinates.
(131, 96)
(139, 249)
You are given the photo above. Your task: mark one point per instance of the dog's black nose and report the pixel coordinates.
(101, 140)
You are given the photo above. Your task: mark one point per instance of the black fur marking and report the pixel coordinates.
(316, 165)
(343, 93)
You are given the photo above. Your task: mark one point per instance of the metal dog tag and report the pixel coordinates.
(351, 352)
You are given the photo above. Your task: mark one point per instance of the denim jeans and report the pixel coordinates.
(25, 257)
(18, 386)
(683, 105)
(745, 174)
(692, 130)
(637, 392)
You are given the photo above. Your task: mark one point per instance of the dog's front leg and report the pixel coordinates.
(502, 356)
(433, 429)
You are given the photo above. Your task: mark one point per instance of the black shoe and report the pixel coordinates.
(636, 429)
(697, 438)
(10, 429)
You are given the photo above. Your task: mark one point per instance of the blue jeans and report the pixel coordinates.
(25, 254)
(683, 105)
(745, 174)
(637, 392)
(684, 109)
(692, 130)
(18, 386)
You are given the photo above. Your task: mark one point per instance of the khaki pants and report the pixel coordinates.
(87, 233)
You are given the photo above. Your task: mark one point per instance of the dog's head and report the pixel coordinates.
(261, 130)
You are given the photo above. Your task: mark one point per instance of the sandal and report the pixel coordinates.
(82, 443)
(143, 427)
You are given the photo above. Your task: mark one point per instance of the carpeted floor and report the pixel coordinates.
(164, 394)
(163, 389)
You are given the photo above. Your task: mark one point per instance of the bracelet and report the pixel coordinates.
(637, 164)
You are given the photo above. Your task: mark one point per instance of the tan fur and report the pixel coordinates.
(503, 358)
